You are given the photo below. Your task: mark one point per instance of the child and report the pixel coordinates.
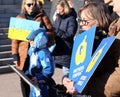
(41, 64)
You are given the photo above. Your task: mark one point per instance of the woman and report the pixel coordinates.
(30, 11)
(112, 87)
(93, 14)
(66, 27)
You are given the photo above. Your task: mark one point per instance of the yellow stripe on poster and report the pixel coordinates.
(18, 34)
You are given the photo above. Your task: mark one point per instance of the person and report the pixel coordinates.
(40, 2)
(110, 7)
(41, 66)
(112, 87)
(29, 11)
(66, 27)
(95, 14)
(54, 12)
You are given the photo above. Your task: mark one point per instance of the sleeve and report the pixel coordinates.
(47, 65)
(47, 23)
(15, 45)
(15, 48)
(71, 29)
(49, 30)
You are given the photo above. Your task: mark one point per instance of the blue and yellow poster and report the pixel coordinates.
(82, 52)
(81, 73)
(20, 28)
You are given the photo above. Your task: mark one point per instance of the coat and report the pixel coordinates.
(112, 87)
(20, 48)
(105, 82)
(66, 27)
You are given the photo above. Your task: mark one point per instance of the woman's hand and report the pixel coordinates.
(17, 63)
(34, 80)
(69, 85)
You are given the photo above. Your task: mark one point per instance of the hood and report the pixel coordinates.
(41, 40)
(34, 33)
(39, 37)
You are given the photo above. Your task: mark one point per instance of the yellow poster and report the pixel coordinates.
(20, 28)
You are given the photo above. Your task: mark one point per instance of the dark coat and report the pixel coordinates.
(66, 27)
(105, 81)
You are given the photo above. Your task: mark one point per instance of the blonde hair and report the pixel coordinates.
(23, 5)
(42, 1)
(65, 5)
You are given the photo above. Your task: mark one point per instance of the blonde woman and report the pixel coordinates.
(30, 11)
(66, 27)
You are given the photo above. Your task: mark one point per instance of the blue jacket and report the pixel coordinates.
(41, 61)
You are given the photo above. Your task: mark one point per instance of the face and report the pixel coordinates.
(86, 22)
(116, 6)
(60, 9)
(29, 6)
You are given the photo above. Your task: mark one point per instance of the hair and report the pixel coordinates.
(65, 5)
(89, 1)
(41, 1)
(23, 5)
(99, 12)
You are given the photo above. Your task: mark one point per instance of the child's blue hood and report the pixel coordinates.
(41, 40)
(39, 37)
(33, 34)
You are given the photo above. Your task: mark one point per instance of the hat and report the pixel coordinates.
(33, 34)
(41, 40)
(42, 1)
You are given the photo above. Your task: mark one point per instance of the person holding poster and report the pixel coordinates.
(30, 11)
(94, 14)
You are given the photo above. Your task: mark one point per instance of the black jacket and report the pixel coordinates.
(66, 27)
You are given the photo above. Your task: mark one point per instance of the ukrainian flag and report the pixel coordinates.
(20, 28)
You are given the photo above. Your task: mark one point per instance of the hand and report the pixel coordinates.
(69, 85)
(34, 80)
(17, 63)
(66, 81)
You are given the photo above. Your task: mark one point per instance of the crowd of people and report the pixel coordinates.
(59, 34)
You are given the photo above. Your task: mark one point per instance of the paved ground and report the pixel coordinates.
(10, 84)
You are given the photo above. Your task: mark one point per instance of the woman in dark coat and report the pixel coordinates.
(66, 27)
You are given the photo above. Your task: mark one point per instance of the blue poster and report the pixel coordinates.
(93, 63)
(81, 54)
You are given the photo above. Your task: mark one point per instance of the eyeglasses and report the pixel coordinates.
(84, 22)
(30, 4)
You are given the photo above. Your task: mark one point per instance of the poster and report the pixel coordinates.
(81, 73)
(82, 52)
(93, 63)
(20, 28)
